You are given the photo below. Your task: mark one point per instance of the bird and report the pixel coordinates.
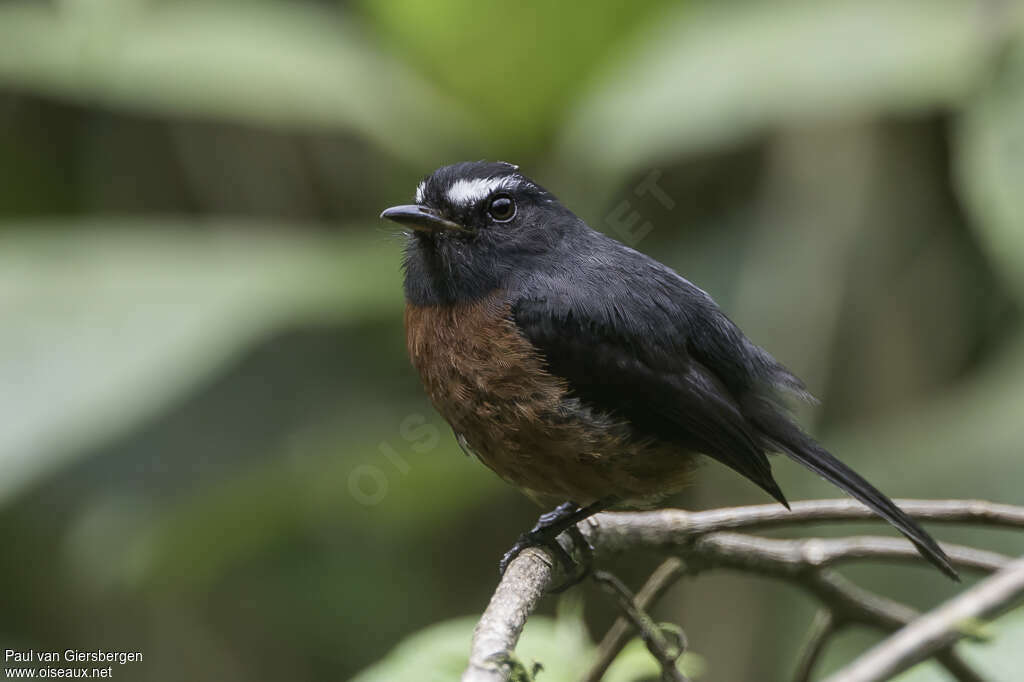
(584, 372)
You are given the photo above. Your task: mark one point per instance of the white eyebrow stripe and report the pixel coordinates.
(419, 191)
(468, 192)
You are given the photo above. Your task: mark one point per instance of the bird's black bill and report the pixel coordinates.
(420, 218)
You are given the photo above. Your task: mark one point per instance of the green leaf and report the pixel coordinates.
(438, 652)
(708, 77)
(284, 64)
(104, 326)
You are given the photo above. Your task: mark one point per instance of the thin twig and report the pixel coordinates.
(960, 669)
(652, 635)
(822, 628)
(937, 629)
(619, 634)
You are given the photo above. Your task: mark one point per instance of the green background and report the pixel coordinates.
(212, 447)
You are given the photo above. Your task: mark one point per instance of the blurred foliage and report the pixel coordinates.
(195, 299)
(519, 71)
(991, 164)
(711, 74)
(212, 443)
(288, 64)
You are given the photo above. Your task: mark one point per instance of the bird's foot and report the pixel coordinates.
(580, 569)
(550, 527)
(575, 570)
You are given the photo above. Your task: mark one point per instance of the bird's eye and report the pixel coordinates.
(502, 208)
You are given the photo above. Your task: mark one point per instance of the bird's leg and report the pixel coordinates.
(547, 529)
(554, 518)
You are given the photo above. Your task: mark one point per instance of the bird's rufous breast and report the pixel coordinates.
(491, 385)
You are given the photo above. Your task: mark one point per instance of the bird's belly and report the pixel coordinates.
(491, 385)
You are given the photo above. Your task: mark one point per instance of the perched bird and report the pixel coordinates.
(585, 372)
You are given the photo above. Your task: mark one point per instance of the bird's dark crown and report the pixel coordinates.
(475, 226)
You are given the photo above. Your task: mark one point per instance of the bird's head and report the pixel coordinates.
(474, 226)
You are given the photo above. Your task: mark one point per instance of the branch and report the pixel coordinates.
(698, 539)
(938, 629)
(803, 563)
(749, 551)
(975, 512)
(495, 636)
(850, 603)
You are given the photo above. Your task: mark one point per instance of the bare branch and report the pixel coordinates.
(938, 629)
(975, 512)
(699, 539)
(495, 636)
(624, 532)
(619, 633)
(826, 552)
(850, 603)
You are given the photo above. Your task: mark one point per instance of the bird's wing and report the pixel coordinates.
(615, 355)
(656, 350)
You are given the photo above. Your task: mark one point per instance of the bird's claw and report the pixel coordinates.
(534, 539)
(577, 571)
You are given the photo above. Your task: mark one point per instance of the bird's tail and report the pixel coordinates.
(781, 434)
